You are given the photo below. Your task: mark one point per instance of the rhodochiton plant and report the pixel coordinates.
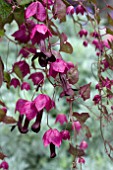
(40, 60)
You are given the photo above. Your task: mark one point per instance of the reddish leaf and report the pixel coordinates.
(2, 103)
(85, 91)
(73, 75)
(75, 151)
(88, 133)
(59, 9)
(81, 117)
(2, 156)
(9, 120)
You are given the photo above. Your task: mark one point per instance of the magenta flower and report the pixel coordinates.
(53, 138)
(106, 64)
(14, 82)
(36, 9)
(43, 101)
(85, 43)
(28, 110)
(48, 3)
(65, 134)
(70, 10)
(107, 83)
(81, 160)
(37, 78)
(59, 66)
(80, 9)
(61, 118)
(22, 35)
(39, 32)
(76, 126)
(25, 86)
(97, 99)
(25, 51)
(23, 66)
(83, 145)
(4, 165)
(83, 32)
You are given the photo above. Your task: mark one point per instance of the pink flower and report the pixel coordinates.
(19, 104)
(107, 83)
(14, 82)
(25, 51)
(39, 32)
(4, 165)
(61, 118)
(36, 9)
(81, 160)
(48, 3)
(59, 66)
(85, 43)
(96, 99)
(83, 32)
(70, 10)
(65, 134)
(43, 101)
(80, 9)
(22, 66)
(22, 35)
(28, 110)
(76, 126)
(83, 145)
(53, 138)
(106, 64)
(25, 86)
(37, 78)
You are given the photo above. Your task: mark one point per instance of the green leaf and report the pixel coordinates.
(18, 72)
(5, 9)
(24, 2)
(67, 48)
(92, 1)
(1, 32)
(109, 31)
(7, 79)
(2, 115)
(110, 19)
(19, 15)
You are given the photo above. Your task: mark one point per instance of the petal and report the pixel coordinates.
(31, 10)
(46, 137)
(41, 12)
(29, 110)
(55, 137)
(19, 104)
